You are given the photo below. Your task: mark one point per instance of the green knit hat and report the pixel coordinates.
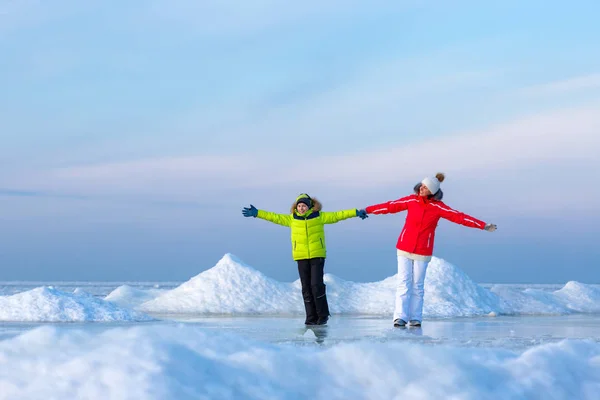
(304, 198)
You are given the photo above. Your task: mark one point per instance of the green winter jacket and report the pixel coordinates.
(307, 232)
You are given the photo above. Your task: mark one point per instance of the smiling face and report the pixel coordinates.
(301, 208)
(424, 191)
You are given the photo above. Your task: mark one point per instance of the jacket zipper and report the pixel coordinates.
(403, 232)
(428, 240)
(307, 238)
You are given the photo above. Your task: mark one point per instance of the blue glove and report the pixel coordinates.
(250, 212)
(362, 214)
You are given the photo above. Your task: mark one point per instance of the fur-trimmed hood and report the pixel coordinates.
(317, 206)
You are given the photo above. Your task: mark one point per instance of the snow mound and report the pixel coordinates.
(46, 304)
(573, 297)
(579, 297)
(184, 362)
(450, 292)
(231, 287)
(129, 297)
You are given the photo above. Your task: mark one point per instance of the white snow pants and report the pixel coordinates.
(410, 290)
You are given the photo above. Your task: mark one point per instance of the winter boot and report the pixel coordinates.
(414, 322)
(322, 320)
(311, 312)
(399, 323)
(320, 296)
(310, 307)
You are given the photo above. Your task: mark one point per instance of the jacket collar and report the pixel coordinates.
(310, 214)
(425, 199)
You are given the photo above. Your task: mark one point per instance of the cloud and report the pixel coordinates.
(550, 137)
(380, 100)
(579, 83)
(201, 167)
(166, 178)
(554, 139)
(229, 17)
(18, 15)
(28, 193)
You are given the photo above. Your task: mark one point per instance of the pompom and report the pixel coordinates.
(440, 176)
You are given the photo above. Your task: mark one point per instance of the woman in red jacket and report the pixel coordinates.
(415, 244)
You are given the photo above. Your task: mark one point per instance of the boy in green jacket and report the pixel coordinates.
(307, 221)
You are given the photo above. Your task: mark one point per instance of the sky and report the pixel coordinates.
(133, 134)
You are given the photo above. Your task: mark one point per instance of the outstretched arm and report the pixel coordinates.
(460, 218)
(336, 216)
(280, 219)
(391, 207)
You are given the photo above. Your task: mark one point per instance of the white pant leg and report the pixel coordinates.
(418, 290)
(404, 288)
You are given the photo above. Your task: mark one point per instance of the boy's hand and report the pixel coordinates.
(362, 214)
(250, 212)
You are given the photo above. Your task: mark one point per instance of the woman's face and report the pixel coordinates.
(301, 208)
(424, 191)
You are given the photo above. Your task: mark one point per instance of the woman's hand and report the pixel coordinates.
(490, 227)
(362, 214)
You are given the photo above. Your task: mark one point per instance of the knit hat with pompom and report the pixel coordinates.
(433, 183)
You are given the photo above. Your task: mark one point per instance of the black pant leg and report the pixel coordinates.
(317, 267)
(304, 270)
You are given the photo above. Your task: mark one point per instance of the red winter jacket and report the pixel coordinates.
(418, 234)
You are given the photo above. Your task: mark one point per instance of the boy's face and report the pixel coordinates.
(301, 208)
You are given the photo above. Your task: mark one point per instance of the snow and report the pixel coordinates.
(187, 362)
(359, 355)
(130, 297)
(233, 288)
(229, 287)
(573, 297)
(47, 304)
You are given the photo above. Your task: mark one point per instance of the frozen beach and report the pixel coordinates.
(210, 337)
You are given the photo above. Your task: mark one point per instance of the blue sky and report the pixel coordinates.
(132, 135)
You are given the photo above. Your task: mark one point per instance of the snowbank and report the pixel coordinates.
(232, 287)
(449, 292)
(573, 297)
(46, 304)
(184, 362)
(579, 297)
(129, 297)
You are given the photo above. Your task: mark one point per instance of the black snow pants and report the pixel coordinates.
(313, 289)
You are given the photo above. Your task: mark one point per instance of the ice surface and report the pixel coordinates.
(185, 362)
(47, 304)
